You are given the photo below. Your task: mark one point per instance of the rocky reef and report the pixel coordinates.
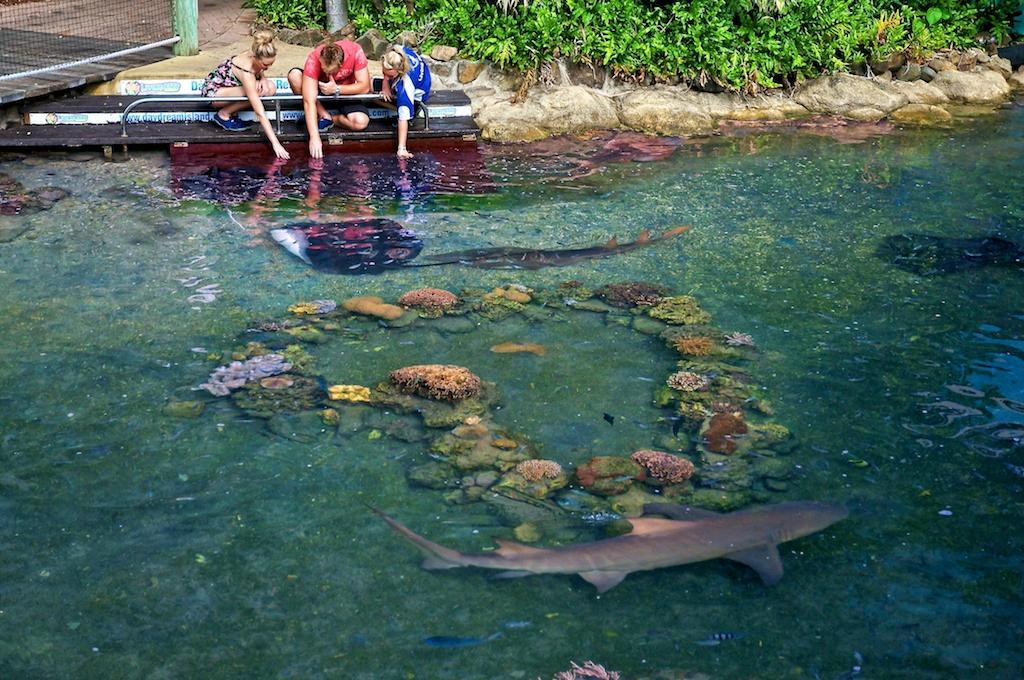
(714, 444)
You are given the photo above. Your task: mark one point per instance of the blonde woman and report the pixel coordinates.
(243, 75)
(406, 81)
(334, 68)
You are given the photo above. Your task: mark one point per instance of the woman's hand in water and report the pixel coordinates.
(316, 147)
(281, 152)
(403, 153)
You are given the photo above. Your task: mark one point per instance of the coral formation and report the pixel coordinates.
(722, 430)
(263, 402)
(694, 345)
(518, 347)
(314, 307)
(588, 671)
(432, 302)
(680, 310)
(664, 467)
(632, 294)
(277, 382)
(609, 475)
(353, 393)
(738, 339)
(371, 305)
(237, 373)
(437, 381)
(536, 469)
(685, 381)
(512, 292)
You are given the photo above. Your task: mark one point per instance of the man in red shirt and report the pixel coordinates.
(332, 69)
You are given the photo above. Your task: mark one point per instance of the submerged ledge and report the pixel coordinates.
(573, 100)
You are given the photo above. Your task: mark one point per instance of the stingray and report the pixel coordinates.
(930, 255)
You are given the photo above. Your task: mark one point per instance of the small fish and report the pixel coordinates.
(517, 624)
(718, 638)
(677, 424)
(449, 642)
(609, 418)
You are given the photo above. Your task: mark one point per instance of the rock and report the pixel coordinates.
(566, 110)
(9, 232)
(307, 38)
(842, 94)
(927, 73)
(404, 320)
(609, 475)
(452, 324)
(1001, 66)
(443, 52)
(764, 107)
(665, 111)
(648, 326)
(977, 55)
(408, 38)
(1016, 81)
(891, 63)
(908, 72)
(432, 475)
(593, 306)
(865, 114)
(921, 114)
(371, 305)
(920, 92)
(442, 70)
(983, 87)
(374, 44)
(587, 75)
(938, 64)
(346, 32)
(184, 409)
(468, 71)
(527, 532)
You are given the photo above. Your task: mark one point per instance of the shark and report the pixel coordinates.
(377, 244)
(535, 258)
(683, 535)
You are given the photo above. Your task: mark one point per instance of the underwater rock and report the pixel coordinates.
(236, 374)
(299, 358)
(437, 381)
(313, 308)
(719, 501)
(680, 310)
(406, 319)
(631, 502)
(184, 409)
(927, 255)
(16, 200)
(536, 477)
(330, 417)
(431, 302)
(432, 475)
(527, 532)
(303, 427)
(371, 305)
(647, 325)
(738, 339)
(353, 393)
(513, 293)
(632, 294)
(515, 508)
(663, 468)
(304, 394)
(724, 473)
(437, 413)
(722, 431)
(592, 306)
(455, 325)
(519, 347)
(469, 446)
(609, 475)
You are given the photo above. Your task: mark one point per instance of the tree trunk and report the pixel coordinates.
(337, 14)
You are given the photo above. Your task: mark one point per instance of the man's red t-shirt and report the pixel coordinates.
(353, 59)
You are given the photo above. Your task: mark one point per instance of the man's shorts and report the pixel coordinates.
(346, 109)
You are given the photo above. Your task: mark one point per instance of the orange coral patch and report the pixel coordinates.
(721, 431)
(515, 347)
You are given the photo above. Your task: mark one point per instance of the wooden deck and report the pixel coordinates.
(150, 132)
(16, 53)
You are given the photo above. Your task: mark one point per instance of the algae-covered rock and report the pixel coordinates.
(307, 333)
(432, 475)
(537, 486)
(680, 310)
(455, 325)
(437, 413)
(725, 473)
(330, 417)
(263, 401)
(527, 532)
(631, 502)
(303, 427)
(608, 475)
(647, 325)
(184, 409)
(718, 500)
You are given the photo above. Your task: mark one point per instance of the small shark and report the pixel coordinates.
(690, 535)
(530, 258)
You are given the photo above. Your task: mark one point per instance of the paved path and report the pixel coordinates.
(223, 22)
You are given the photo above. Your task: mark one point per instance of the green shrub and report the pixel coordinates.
(739, 43)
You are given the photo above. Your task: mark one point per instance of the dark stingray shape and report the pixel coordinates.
(930, 255)
(358, 246)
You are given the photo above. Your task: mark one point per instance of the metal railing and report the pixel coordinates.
(276, 99)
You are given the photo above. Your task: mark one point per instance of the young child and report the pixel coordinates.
(243, 76)
(334, 68)
(406, 81)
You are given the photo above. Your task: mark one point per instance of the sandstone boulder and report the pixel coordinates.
(921, 114)
(1016, 81)
(975, 87)
(920, 92)
(850, 96)
(544, 113)
(665, 111)
(374, 44)
(443, 52)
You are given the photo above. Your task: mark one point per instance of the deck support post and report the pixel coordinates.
(185, 21)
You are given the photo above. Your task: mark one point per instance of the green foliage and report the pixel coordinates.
(739, 43)
(290, 13)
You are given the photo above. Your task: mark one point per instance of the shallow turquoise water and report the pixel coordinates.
(135, 544)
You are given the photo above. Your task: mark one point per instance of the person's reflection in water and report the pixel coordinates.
(357, 246)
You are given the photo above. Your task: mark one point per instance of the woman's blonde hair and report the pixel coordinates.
(395, 59)
(263, 46)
